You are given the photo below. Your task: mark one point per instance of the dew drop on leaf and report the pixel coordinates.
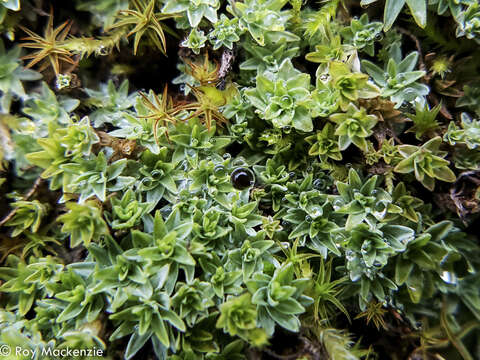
(449, 277)
(317, 183)
(242, 178)
(219, 170)
(102, 51)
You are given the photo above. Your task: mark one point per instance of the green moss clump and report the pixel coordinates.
(235, 180)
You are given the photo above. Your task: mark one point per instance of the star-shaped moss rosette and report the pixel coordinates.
(239, 317)
(84, 223)
(12, 74)
(353, 126)
(283, 97)
(195, 10)
(363, 200)
(278, 298)
(351, 86)
(50, 49)
(399, 80)
(263, 19)
(362, 34)
(145, 21)
(426, 162)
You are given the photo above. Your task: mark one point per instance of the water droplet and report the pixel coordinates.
(10, 35)
(308, 218)
(379, 37)
(182, 88)
(219, 170)
(337, 204)
(239, 162)
(317, 183)
(349, 255)
(165, 211)
(410, 94)
(102, 51)
(448, 277)
(287, 129)
(227, 156)
(316, 213)
(242, 178)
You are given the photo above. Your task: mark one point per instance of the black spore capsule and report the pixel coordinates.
(242, 178)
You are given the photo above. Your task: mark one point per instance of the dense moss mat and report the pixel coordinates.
(256, 179)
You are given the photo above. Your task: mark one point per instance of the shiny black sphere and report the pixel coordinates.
(242, 178)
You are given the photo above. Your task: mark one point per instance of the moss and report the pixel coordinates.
(240, 179)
